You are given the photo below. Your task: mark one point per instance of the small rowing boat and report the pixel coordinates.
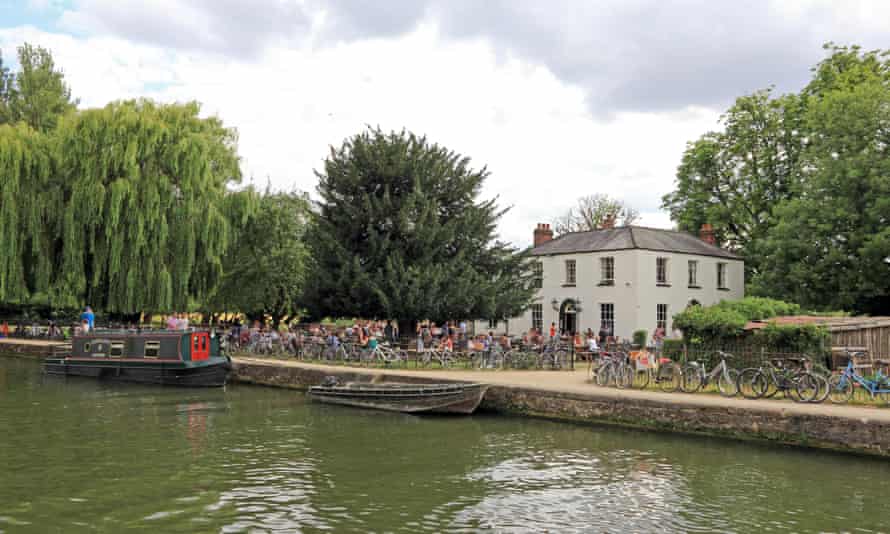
(454, 398)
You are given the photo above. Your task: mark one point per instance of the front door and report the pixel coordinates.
(568, 317)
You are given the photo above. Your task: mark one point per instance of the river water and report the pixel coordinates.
(80, 455)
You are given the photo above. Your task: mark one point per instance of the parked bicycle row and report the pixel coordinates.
(551, 355)
(797, 378)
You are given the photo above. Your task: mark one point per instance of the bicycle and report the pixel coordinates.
(795, 381)
(841, 386)
(553, 355)
(666, 374)
(696, 377)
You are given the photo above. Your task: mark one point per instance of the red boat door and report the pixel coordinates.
(200, 346)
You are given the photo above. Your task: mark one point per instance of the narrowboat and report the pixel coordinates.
(175, 358)
(453, 398)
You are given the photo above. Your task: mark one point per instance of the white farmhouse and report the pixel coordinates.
(627, 278)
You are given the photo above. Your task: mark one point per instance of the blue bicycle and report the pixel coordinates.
(841, 386)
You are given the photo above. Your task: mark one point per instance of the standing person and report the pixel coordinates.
(552, 330)
(172, 322)
(419, 333)
(387, 331)
(5, 329)
(89, 317)
(463, 327)
(658, 338)
(604, 334)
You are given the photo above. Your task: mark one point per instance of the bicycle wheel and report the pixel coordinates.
(840, 389)
(728, 383)
(624, 378)
(669, 377)
(603, 374)
(692, 379)
(807, 388)
(746, 385)
(823, 388)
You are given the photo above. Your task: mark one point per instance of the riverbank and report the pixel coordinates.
(566, 395)
(30, 348)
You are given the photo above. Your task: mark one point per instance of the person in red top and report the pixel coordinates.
(552, 330)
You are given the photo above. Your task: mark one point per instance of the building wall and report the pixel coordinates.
(634, 293)
(678, 294)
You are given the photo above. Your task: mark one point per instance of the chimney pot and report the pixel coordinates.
(542, 234)
(707, 235)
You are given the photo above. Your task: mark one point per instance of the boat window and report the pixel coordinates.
(117, 348)
(86, 347)
(197, 341)
(152, 349)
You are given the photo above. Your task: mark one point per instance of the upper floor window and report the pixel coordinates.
(607, 271)
(570, 272)
(693, 273)
(721, 276)
(661, 270)
(538, 272)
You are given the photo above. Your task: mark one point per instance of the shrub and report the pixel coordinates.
(673, 349)
(757, 308)
(639, 338)
(809, 338)
(713, 323)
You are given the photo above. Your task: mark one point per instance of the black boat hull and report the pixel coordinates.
(210, 375)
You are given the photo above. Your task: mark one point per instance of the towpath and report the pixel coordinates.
(576, 382)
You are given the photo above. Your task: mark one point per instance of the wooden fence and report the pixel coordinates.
(873, 335)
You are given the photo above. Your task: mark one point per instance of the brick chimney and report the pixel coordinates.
(543, 234)
(608, 222)
(707, 234)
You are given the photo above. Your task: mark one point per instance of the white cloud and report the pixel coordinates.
(534, 132)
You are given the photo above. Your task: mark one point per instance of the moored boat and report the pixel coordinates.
(153, 357)
(455, 398)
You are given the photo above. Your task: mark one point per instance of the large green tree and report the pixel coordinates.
(144, 222)
(831, 242)
(401, 233)
(799, 185)
(27, 211)
(265, 269)
(733, 179)
(37, 94)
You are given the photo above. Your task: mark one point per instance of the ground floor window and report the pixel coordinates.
(661, 315)
(492, 324)
(607, 317)
(538, 317)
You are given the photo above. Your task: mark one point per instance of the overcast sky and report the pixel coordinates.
(558, 98)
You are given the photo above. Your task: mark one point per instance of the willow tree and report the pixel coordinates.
(25, 212)
(144, 223)
(401, 233)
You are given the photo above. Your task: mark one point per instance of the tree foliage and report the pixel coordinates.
(37, 93)
(265, 269)
(593, 211)
(734, 179)
(401, 233)
(143, 226)
(800, 185)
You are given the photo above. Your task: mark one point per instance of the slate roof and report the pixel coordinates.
(628, 238)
